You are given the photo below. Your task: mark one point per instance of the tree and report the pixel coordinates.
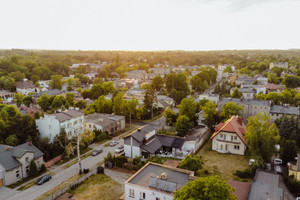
(210, 114)
(19, 99)
(289, 151)
(43, 168)
(188, 107)
(291, 81)
(70, 98)
(206, 188)
(7, 83)
(157, 83)
(170, 116)
(236, 93)
(12, 140)
(56, 82)
(177, 86)
(272, 78)
(118, 105)
(275, 97)
(230, 109)
(35, 79)
(192, 163)
(18, 76)
(33, 170)
(198, 84)
(261, 136)
(149, 99)
(27, 100)
(58, 102)
(103, 105)
(228, 69)
(183, 125)
(81, 104)
(131, 108)
(44, 102)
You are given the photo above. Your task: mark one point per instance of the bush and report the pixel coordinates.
(119, 161)
(33, 169)
(43, 168)
(192, 163)
(243, 174)
(291, 183)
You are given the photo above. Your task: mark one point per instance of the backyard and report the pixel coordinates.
(100, 187)
(223, 165)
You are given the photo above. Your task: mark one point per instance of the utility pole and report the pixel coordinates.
(78, 153)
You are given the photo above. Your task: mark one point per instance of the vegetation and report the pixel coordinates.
(192, 163)
(206, 188)
(230, 109)
(210, 114)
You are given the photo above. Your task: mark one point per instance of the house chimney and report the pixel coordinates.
(240, 120)
(7, 148)
(30, 143)
(163, 176)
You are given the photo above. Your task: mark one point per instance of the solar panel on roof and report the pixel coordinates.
(162, 184)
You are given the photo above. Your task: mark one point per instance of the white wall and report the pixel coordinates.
(135, 151)
(220, 146)
(10, 176)
(22, 160)
(48, 126)
(149, 194)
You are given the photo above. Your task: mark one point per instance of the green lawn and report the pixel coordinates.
(223, 165)
(100, 187)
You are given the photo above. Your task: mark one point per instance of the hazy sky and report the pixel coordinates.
(150, 24)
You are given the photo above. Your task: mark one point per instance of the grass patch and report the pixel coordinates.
(223, 165)
(99, 187)
(76, 160)
(59, 187)
(74, 156)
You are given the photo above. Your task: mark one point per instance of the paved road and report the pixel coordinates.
(61, 175)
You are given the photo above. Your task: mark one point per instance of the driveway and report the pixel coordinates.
(6, 192)
(287, 195)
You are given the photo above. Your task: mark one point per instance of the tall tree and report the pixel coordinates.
(19, 99)
(210, 114)
(27, 101)
(188, 107)
(149, 99)
(261, 136)
(44, 102)
(236, 93)
(230, 109)
(118, 104)
(157, 83)
(206, 188)
(183, 125)
(56, 82)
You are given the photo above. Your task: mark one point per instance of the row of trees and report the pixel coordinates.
(288, 96)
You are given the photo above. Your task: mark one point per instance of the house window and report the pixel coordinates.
(221, 135)
(221, 147)
(131, 193)
(235, 137)
(157, 198)
(224, 137)
(27, 159)
(18, 174)
(27, 170)
(143, 195)
(232, 138)
(237, 147)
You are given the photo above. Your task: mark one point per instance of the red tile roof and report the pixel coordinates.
(233, 125)
(241, 189)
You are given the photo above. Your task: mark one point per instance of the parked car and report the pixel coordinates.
(268, 167)
(113, 143)
(120, 149)
(97, 151)
(43, 179)
(278, 169)
(277, 161)
(251, 161)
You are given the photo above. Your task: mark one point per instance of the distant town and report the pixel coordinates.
(149, 125)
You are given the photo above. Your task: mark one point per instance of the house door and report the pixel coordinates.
(1, 182)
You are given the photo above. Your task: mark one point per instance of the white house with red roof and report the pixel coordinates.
(229, 136)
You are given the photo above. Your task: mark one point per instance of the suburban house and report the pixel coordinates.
(280, 65)
(145, 142)
(71, 120)
(261, 80)
(26, 87)
(270, 87)
(15, 162)
(229, 137)
(279, 111)
(248, 93)
(244, 81)
(209, 96)
(265, 185)
(257, 88)
(295, 169)
(104, 122)
(156, 181)
(223, 67)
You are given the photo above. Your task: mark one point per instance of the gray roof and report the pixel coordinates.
(153, 146)
(71, 113)
(140, 133)
(9, 154)
(100, 119)
(170, 141)
(254, 102)
(246, 90)
(265, 187)
(173, 175)
(53, 92)
(24, 85)
(290, 110)
(161, 184)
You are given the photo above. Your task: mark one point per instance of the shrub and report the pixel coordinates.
(33, 169)
(119, 161)
(291, 183)
(243, 174)
(192, 163)
(43, 168)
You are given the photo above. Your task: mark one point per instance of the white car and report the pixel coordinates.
(113, 143)
(277, 161)
(251, 161)
(120, 149)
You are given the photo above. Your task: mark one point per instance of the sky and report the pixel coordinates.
(149, 24)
